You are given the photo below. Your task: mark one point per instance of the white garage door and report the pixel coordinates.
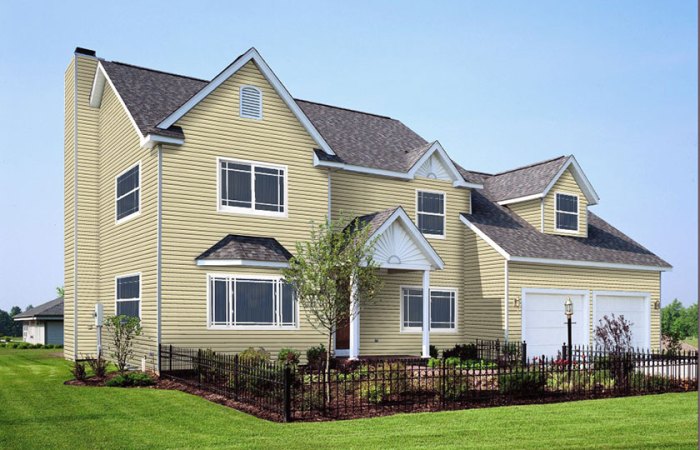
(634, 307)
(544, 322)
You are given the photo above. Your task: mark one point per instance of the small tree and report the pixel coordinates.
(614, 334)
(323, 272)
(123, 330)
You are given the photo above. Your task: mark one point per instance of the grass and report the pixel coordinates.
(691, 341)
(38, 411)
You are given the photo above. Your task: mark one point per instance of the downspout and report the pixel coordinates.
(159, 247)
(329, 196)
(75, 208)
(542, 214)
(507, 302)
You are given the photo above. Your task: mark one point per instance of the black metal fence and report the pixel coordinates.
(384, 386)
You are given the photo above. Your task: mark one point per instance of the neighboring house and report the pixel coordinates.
(184, 199)
(43, 324)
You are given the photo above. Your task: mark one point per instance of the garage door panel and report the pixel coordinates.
(544, 322)
(634, 308)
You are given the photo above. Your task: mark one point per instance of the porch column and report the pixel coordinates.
(426, 314)
(354, 320)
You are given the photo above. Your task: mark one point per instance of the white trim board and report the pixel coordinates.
(557, 262)
(242, 263)
(251, 55)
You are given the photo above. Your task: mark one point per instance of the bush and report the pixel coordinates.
(255, 356)
(579, 381)
(433, 363)
(98, 366)
(289, 356)
(455, 386)
(521, 383)
(130, 379)
(653, 383)
(316, 356)
(375, 392)
(462, 351)
(79, 371)
(433, 351)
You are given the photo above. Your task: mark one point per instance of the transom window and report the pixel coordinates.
(431, 213)
(251, 102)
(567, 212)
(252, 187)
(128, 295)
(249, 301)
(442, 309)
(128, 193)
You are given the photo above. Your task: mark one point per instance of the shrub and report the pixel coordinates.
(49, 346)
(653, 383)
(375, 392)
(255, 356)
(579, 380)
(130, 379)
(433, 351)
(289, 356)
(78, 370)
(433, 363)
(123, 331)
(98, 366)
(316, 356)
(455, 386)
(453, 361)
(521, 383)
(479, 364)
(462, 351)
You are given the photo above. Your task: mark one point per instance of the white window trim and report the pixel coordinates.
(578, 207)
(136, 213)
(240, 102)
(251, 211)
(247, 276)
(646, 296)
(116, 300)
(444, 214)
(416, 330)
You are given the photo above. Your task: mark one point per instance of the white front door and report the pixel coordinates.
(544, 323)
(634, 307)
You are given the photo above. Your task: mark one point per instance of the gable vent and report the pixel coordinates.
(251, 102)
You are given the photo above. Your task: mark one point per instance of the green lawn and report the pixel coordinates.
(38, 411)
(692, 341)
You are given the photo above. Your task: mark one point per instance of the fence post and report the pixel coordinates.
(443, 379)
(563, 351)
(287, 393)
(170, 358)
(236, 378)
(524, 353)
(199, 368)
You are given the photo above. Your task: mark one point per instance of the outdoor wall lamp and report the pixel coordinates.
(516, 302)
(657, 304)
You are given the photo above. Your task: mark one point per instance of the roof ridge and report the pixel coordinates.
(345, 109)
(529, 165)
(157, 71)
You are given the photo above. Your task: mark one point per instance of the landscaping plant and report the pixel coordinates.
(289, 356)
(330, 269)
(123, 330)
(78, 370)
(98, 366)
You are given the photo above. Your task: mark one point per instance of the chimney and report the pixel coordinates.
(85, 51)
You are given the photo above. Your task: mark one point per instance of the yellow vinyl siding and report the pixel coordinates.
(358, 194)
(484, 286)
(565, 185)
(129, 246)
(583, 278)
(68, 205)
(530, 211)
(191, 223)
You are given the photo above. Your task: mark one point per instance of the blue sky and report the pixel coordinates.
(500, 84)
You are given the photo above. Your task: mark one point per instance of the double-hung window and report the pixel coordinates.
(128, 295)
(567, 212)
(128, 193)
(443, 309)
(247, 301)
(248, 187)
(430, 210)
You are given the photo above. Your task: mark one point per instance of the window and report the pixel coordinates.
(129, 295)
(567, 212)
(252, 188)
(250, 301)
(442, 309)
(431, 213)
(128, 187)
(251, 102)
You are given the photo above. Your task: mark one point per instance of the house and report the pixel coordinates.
(43, 324)
(184, 199)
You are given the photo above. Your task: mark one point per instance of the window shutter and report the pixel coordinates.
(251, 102)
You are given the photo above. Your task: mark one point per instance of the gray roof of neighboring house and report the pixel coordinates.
(252, 248)
(51, 309)
(518, 238)
(523, 181)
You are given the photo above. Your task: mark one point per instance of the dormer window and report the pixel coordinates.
(567, 212)
(251, 102)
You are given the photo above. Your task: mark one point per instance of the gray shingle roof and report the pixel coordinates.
(54, 308)
(251, 248)
(523, 181)
(364, 139)
(518, 238)
(375, 220)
